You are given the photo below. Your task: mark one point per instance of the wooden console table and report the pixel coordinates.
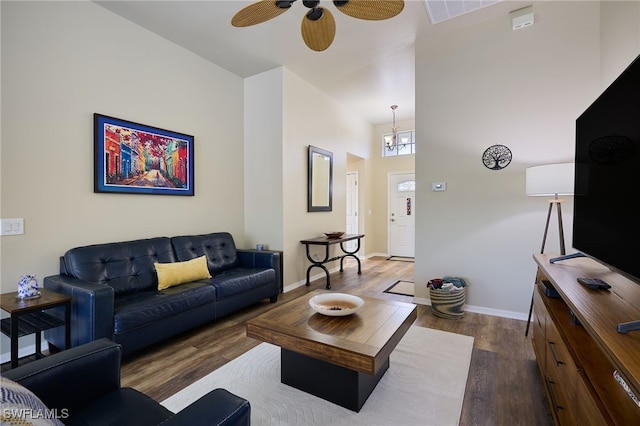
(326, 242)
(578, 347)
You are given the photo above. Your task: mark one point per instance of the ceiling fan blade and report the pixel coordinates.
(371, 10)
(259, 12)
(318, 32)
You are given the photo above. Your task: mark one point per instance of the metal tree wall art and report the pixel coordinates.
(496, 157)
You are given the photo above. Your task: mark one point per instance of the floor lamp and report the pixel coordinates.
(550, 180)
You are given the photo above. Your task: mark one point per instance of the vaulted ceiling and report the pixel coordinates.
(368, 67)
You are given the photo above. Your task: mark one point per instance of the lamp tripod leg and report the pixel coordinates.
(544, 240)
(526, 331)
(546, 228)
(560, 229)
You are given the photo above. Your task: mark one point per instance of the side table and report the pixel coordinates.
(28, 317)
(326, 242)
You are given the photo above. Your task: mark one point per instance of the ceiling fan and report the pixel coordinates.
(318, 25)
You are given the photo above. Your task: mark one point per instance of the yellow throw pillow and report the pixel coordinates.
(170, 274)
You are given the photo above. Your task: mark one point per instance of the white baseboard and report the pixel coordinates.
(316, 276)
(377, 255)
(480, 310)
(311, 278)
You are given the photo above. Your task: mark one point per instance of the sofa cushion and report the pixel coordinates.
(176, 273)
(21, 406)
(218, 247)
(143, 308)
(127, 266)
(241, 279)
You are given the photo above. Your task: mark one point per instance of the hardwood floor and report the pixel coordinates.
(504, 385)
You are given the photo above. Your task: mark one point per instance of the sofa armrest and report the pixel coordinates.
(73, 378)
(91, 310)
(218, 407)
(263, 259)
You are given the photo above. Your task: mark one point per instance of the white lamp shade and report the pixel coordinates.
(550, 179)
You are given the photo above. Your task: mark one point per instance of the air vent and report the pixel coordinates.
(443, 10)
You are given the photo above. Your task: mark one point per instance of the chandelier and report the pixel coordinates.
(391, 141)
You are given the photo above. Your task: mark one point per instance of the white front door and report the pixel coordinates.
(401, 230)
(352, 208)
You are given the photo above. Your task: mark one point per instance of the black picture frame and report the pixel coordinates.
(320, 180)
(135, 158)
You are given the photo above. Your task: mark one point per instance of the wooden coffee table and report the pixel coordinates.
(340, 359)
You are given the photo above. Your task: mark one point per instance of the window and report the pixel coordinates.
(406, 186)
(405, 144)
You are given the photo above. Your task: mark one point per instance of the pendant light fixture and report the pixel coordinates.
(391, 140)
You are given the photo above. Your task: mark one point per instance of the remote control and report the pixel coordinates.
(594, 283)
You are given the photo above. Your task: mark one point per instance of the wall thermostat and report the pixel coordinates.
(439, 186)
(521, 18)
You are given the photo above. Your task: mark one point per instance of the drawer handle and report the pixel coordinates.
(553, 396)
(553, 354)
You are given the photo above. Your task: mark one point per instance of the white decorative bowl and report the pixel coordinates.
(335, 304)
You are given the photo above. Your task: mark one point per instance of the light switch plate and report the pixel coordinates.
(12, 226)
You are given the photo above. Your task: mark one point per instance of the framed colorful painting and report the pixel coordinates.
(139, 159)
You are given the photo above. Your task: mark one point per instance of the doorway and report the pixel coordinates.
(401, 213)
(352, 208)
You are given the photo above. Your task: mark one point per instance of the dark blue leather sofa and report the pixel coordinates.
(82, 386)
(114, 292)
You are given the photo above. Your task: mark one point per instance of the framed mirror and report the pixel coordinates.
(320, 189)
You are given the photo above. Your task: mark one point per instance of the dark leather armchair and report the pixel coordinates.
(83, 384)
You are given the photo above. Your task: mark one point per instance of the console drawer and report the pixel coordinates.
(562, 374)
(559, 359)
(588, 412)
(560, 404)
(539, 321)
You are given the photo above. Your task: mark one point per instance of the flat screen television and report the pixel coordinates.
(606, 216)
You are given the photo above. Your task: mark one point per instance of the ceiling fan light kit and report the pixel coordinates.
(318, 25)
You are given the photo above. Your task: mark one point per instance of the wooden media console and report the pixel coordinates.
(590, 370)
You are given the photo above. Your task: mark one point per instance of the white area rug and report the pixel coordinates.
(424, 386)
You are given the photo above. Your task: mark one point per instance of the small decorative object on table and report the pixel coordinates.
(333, 235)
(28, 287)
(448, 297)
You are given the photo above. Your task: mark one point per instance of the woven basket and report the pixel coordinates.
(448, 304)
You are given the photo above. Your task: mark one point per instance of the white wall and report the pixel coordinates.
(490, 85)
(63, 61)
(620, 37)
(263, 159)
